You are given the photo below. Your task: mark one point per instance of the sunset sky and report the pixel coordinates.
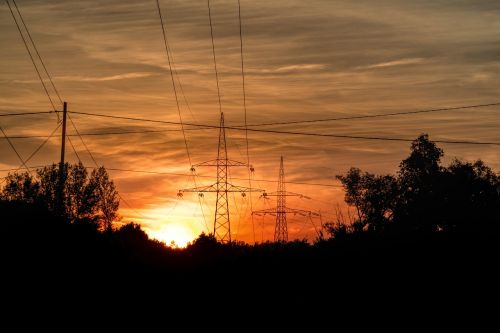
(303, 60)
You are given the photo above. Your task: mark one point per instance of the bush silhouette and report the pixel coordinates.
(425, 196)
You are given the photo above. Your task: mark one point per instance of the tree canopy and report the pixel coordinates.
(91, 198)
(424, 195)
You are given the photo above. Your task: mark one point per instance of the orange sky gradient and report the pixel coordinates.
(303, 60)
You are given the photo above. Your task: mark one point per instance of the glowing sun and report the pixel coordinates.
(175, 235)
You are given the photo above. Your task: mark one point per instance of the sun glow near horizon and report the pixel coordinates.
(175, 225)
(173, 234)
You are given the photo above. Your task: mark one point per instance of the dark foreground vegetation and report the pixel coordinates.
(430, 230)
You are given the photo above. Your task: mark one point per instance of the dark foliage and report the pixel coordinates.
(425, 196)
(85, 198)
(426, 232)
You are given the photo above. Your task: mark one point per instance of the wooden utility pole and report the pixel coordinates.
(61, 164)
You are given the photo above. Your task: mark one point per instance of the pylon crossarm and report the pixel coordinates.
(270, 211)
(222, 162)
(285, 194)
(293, 194)
(234, 188)
(300, 212)
(209, 188)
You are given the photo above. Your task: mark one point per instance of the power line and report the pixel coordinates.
(170, 61)
(35, 152)
(47, 93)
(377, 115)
(15, 150)
(204, 176)
(165, 41)
(132, 208)
(105, 133)
(74, 150)
(97, 165)
(179, 82)
(37, 53)
(43, 143)
(300, 121)
(359, 137)
(213, 52)
(16, 169)
(354, 137)
(31, 56)
(83, 142)
(245, 114)
(24, 113)
(138, 119)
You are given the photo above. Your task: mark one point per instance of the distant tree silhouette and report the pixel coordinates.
(335, 230)
(203, 242)
(21, 187)
(132, 231)
(108, 201)
(373, 196)
(472, 194)
(424, 196)
(92, 199)
(420, 180)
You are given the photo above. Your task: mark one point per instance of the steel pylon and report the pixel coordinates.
(281, 211)
(222, 223)
(281, 229)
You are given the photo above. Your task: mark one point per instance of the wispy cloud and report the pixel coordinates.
(123, 76)
(79, 78)
(393, 63)
(300, 67)
(295, 68)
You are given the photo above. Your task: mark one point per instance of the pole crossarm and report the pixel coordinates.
(286, 210)
(264, 212)
(213, 188)
(222, 162)
(284, 194)
(208, 188)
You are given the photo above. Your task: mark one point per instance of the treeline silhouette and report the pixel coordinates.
(424, 228)
(424, 196)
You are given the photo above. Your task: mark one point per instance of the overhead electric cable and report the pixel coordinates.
(167, 49)
(24, 113)
(355, 137)
(74, 149)
(376, 115)
(47, 138)
(245, 115)
(15, 150)
(165, 41)
(38, 53)
(213, 53)
(31, 56)
(97, 165)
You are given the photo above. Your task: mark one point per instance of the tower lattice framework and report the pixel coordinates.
(281, 210)
(222, 222)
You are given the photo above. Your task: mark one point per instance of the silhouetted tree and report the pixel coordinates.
(108, 201)
(204, 242)
(420, 178)
(373, 196)
(425, 196)
(132, 233)
(472, 198)
(20, 186)
(87, 198)
(336, 230)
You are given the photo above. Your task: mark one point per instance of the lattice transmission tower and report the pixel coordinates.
(281, 210)
(222, 223)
